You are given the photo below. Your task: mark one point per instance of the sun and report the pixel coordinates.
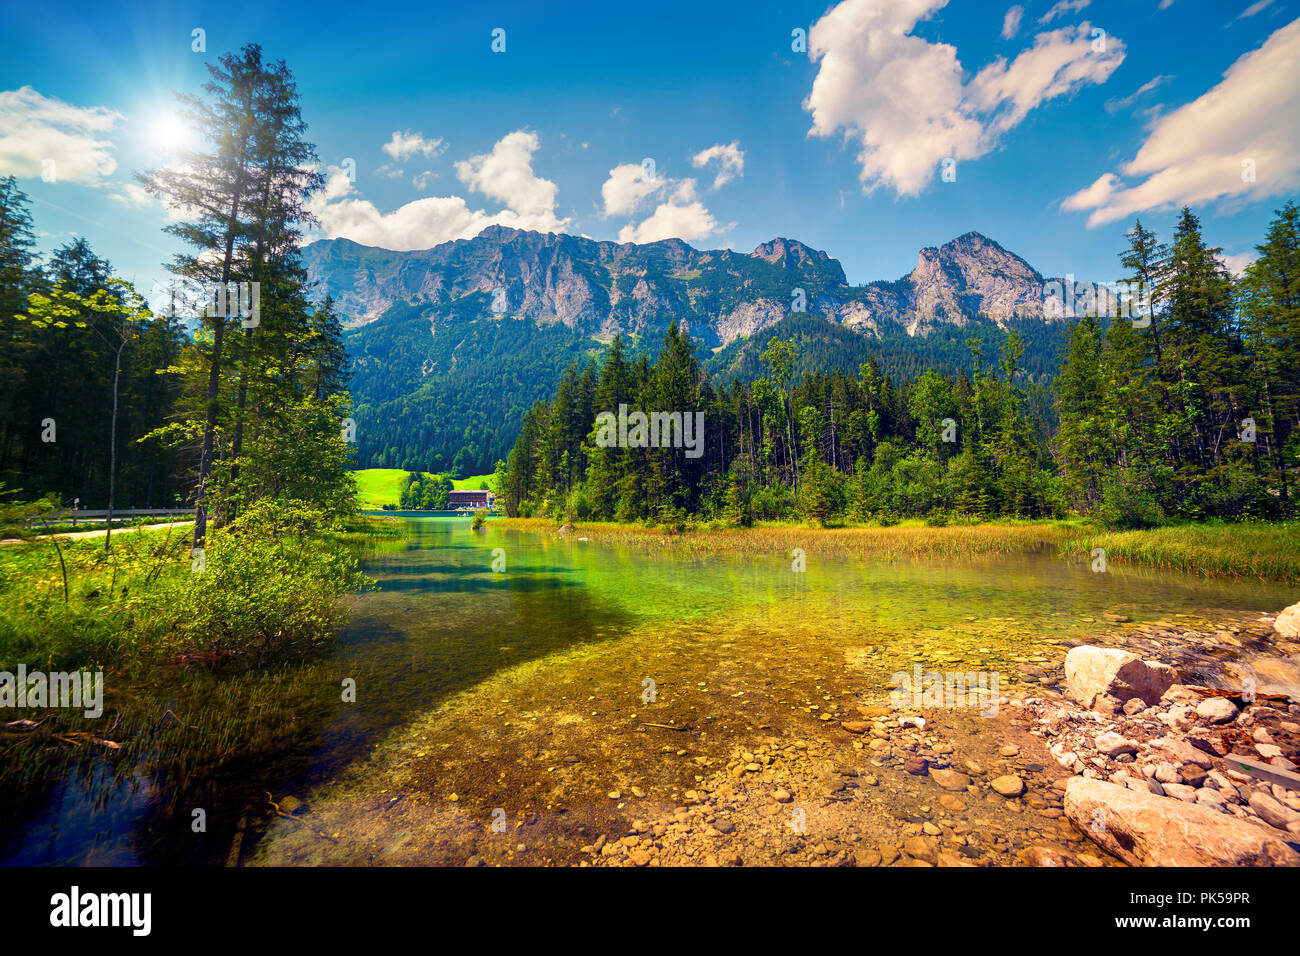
(169, 133)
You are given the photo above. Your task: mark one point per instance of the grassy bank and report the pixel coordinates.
(377, 487)
(1263, 551)
(1255, 550)
(264, 585)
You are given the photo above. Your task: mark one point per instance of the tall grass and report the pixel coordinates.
(1262, 551)
(142, 601)
(908, 540)
(1255, 550)
(94, 620)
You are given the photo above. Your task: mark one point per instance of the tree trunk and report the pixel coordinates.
(214, 376)
(112, 448)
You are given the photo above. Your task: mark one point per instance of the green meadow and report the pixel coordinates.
(377, 487)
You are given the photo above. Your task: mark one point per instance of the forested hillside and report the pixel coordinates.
(454, 343)
(1189, 409)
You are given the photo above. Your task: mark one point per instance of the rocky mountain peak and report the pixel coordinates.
(793, 255)
(972, 275)
(498, 233)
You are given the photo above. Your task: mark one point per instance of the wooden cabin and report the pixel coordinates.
(469, 500)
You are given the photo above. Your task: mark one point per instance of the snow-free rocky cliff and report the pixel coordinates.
(601, 288)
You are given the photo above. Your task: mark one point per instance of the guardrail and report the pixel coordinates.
(123, 513)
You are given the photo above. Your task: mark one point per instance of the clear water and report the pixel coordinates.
(525, 691)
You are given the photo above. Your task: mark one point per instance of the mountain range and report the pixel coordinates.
(450, 345)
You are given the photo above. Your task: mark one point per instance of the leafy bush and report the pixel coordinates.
(270, 577)
(738, 511)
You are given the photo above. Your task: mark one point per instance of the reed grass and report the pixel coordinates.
(1268, 551)
(1265, 551)
(906, 540)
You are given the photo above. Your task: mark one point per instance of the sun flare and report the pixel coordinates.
(168, 132)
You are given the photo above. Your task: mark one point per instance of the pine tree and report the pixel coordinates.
(244, 198)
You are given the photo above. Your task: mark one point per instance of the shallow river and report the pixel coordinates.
(532, 693)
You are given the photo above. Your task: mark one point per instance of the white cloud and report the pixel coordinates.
(627, 188)
(1254, 8)
(678, 214)
(504, 174)
(422, 180)
(1096, 194)
(672, 220)
(730, 159)
(1124, 102)
(132, 194)
(36, 128)
(1196, 153)
(1237, 262)
(421, 224)
(405, 145)
(1061, 8)
(905, 100)
(1011, 22)
(1058, 63)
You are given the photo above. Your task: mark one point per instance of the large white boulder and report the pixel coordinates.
(1090, 671)
(1143, 829)
(1288, 623)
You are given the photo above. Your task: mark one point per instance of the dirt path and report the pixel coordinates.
(73, 535)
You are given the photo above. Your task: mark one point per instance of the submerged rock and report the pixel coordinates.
(1143, 829)
(949, 779)
(1009, 785)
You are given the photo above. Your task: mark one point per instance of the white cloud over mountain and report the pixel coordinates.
(504, 174)
(1238, 141)
(672, 220)
(627, 187)
(679, 214)
(906, 101)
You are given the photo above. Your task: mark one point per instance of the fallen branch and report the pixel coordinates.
(24, 723)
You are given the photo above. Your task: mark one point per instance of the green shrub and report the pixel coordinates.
(1127, 503)
(270, 577)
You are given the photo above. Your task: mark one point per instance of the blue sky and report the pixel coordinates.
(1059, 135)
